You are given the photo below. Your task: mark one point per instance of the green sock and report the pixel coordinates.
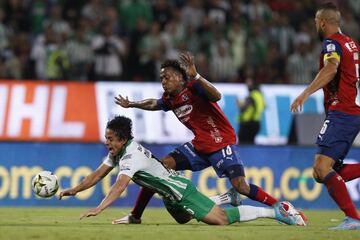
(233, 215)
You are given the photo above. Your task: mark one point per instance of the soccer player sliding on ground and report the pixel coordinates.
(180, 196)
(193, 100)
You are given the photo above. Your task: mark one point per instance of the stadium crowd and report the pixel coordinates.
(271, 41)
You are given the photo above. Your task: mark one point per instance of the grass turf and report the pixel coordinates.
(64, 223)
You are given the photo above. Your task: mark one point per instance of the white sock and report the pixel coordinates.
(221, 199)
(249, 213)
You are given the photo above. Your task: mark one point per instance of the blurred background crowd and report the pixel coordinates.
(270, 41)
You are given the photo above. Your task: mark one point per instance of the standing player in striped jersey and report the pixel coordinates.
(180, 195)
(339, 79)
(193, 101)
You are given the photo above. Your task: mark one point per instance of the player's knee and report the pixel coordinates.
(180, 215)
(317, 175)
(240, 185)
(222, 218)
(169, 162)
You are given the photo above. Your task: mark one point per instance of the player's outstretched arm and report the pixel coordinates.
(325, 75)
(147, 104)
(116, 190)
(88, 182)
(211, 92)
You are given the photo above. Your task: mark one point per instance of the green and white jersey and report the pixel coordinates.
(144, 169)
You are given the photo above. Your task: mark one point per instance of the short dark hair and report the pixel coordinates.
(328, 6)
(330, 13)
(122, 127)
(175, 64)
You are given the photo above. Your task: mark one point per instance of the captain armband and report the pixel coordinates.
(329, 55)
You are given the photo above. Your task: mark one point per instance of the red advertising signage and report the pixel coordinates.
(48, 111)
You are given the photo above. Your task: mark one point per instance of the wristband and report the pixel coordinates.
(197, 76)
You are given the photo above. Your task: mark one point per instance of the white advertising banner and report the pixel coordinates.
(148, 126)
(163, 127)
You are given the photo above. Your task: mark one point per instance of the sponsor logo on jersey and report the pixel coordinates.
(185, 97)
(330, 47)
(351, 46)
(183, 111)
(124, 166)
(127, 157)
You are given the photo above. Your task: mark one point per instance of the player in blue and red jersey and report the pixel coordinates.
(193, 100)
(339, 79)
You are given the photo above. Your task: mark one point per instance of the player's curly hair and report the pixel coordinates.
(122, 126)
(175, 64)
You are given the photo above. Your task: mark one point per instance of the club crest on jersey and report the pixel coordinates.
(335, 102)
(183, 111)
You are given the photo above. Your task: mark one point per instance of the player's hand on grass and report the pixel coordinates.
(297, 105)
(67, 192)
(188, 61)
(121, 101)
(90, 213)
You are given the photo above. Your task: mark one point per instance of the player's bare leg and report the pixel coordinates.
(230, 197)
(252, 191)
(324, 173)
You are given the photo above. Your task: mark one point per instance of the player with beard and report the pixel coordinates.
(339, 78)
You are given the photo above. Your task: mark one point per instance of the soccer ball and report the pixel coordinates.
(45, 184)
(301, 220)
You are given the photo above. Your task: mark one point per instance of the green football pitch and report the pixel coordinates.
(64, 223)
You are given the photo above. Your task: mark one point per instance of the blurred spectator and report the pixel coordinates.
(218, 11)
(282, 33)
(237, 37)
(258, 10)
(350, 26)
(51, 60)
(112, 17)
(80, 55)
(16, 58)
(162, 12)
(57, 62)
(273, 70)
(94, 12)
(22, 51)
(261, 37)
(17, 15)
(132, 10)
(202, 65)
(173, 33)
(39, 54)
(222, 68)
(38, 11)
(4, 32)
(133, 61)
(257, 46)
(302, 65)
(193, 13)
(57, 23)
(354, 6)
(151, 47)
(251, 110)
(108, 50)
